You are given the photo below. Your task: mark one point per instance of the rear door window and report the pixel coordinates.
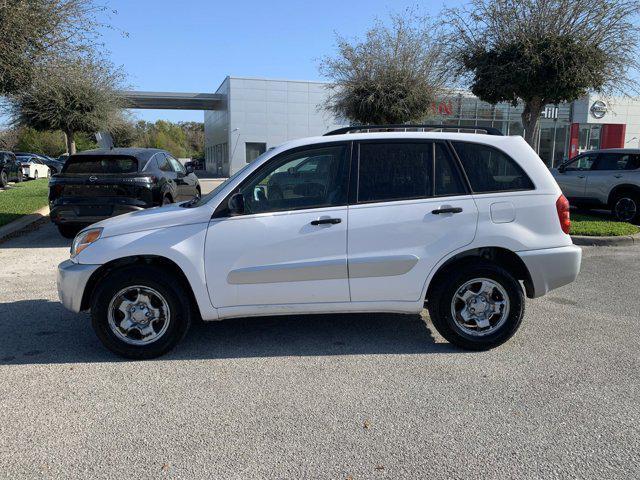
(616, 161)
(394, 171)
(490, 170)
(105, 164)
(163, 162)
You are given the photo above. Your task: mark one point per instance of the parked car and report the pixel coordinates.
(394, 221)
(98, 184)
(33, 167)
(10, 169)
(604, 179)
(54, 165)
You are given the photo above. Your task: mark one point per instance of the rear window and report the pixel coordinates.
(105, 164)
(490, 170)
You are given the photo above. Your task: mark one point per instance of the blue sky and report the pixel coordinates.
(192, 45)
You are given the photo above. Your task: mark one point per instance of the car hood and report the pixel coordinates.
(172, 215)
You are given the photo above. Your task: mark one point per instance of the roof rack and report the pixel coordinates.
(410, 127)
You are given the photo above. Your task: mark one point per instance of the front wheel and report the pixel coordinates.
(140, 312)
(626, 208)
(477, 306)
(4, 179)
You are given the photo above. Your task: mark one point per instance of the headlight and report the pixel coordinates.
(84, 239)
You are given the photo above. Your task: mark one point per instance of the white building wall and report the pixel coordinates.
(619, 110)
(273, 112)
(216, 135)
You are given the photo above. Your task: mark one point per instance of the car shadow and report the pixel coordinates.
(42, 331)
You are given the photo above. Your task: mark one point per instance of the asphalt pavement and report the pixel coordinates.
(322, 397)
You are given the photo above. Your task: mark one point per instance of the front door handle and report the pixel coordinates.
(326, 221)
(447, 210)
(580, 176)
(619, 175)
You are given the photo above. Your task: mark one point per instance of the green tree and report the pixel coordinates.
(541, 52)
(392, 76)
(80, 96)
(34, 33)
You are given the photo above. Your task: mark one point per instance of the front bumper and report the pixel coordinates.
(72, 279)
(551, 268)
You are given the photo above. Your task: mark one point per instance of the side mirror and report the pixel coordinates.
(291, 170)
(561, 168)
(236, 204)
(189, 167)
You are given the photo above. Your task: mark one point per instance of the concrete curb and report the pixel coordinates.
(16, 226)
(624, 240)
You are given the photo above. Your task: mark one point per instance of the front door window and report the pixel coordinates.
(312, 178)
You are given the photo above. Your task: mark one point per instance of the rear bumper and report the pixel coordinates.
(72, 279)
(551, 268)
(91, 212)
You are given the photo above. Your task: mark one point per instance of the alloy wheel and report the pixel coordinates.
(480, 307)
(625, 209)
(139, 315)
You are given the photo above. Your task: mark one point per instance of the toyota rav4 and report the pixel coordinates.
(464, 224)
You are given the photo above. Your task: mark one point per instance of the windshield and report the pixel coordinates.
(205, 198)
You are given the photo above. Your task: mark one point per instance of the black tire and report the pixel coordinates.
(150, 277)
(69, 231)
(166, 200)
(626, 207)
(35, 175)
(4, 179)
(20, 177)
(441, 298)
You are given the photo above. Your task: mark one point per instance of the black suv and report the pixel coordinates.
(10, 170)
(98, 184)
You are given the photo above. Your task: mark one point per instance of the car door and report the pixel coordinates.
(409, 210)
(284, 249)
(610, 169)
(572, 177)
(184, 182)
(168, 182)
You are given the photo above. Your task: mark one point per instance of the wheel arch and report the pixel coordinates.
(155, 260)
(501, 256)
(624, 187)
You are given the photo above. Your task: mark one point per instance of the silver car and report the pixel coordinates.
(603, 179)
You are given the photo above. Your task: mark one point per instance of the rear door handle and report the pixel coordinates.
(447, 210)
(326, 221)
(619, 175)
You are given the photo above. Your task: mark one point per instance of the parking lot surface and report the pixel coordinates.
(342, 396)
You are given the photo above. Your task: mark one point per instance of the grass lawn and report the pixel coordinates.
(593, 226)
(22, 199)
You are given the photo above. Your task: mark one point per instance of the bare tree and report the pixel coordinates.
(539, 52)
(77, 96)
(36, 32)
(392, 76)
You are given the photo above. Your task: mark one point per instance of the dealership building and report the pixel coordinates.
(254, 115)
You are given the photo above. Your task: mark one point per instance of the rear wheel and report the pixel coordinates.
(626, 207)
(4, 179)
(35, 175)
(140, 312)
(477, 306)
(166, 200)
(69, 231)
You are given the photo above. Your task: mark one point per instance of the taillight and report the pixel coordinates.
(562, 206)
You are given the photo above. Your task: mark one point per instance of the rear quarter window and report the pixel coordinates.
(105, 164)
(490, 170)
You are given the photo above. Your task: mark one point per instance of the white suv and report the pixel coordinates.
(387, 222)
